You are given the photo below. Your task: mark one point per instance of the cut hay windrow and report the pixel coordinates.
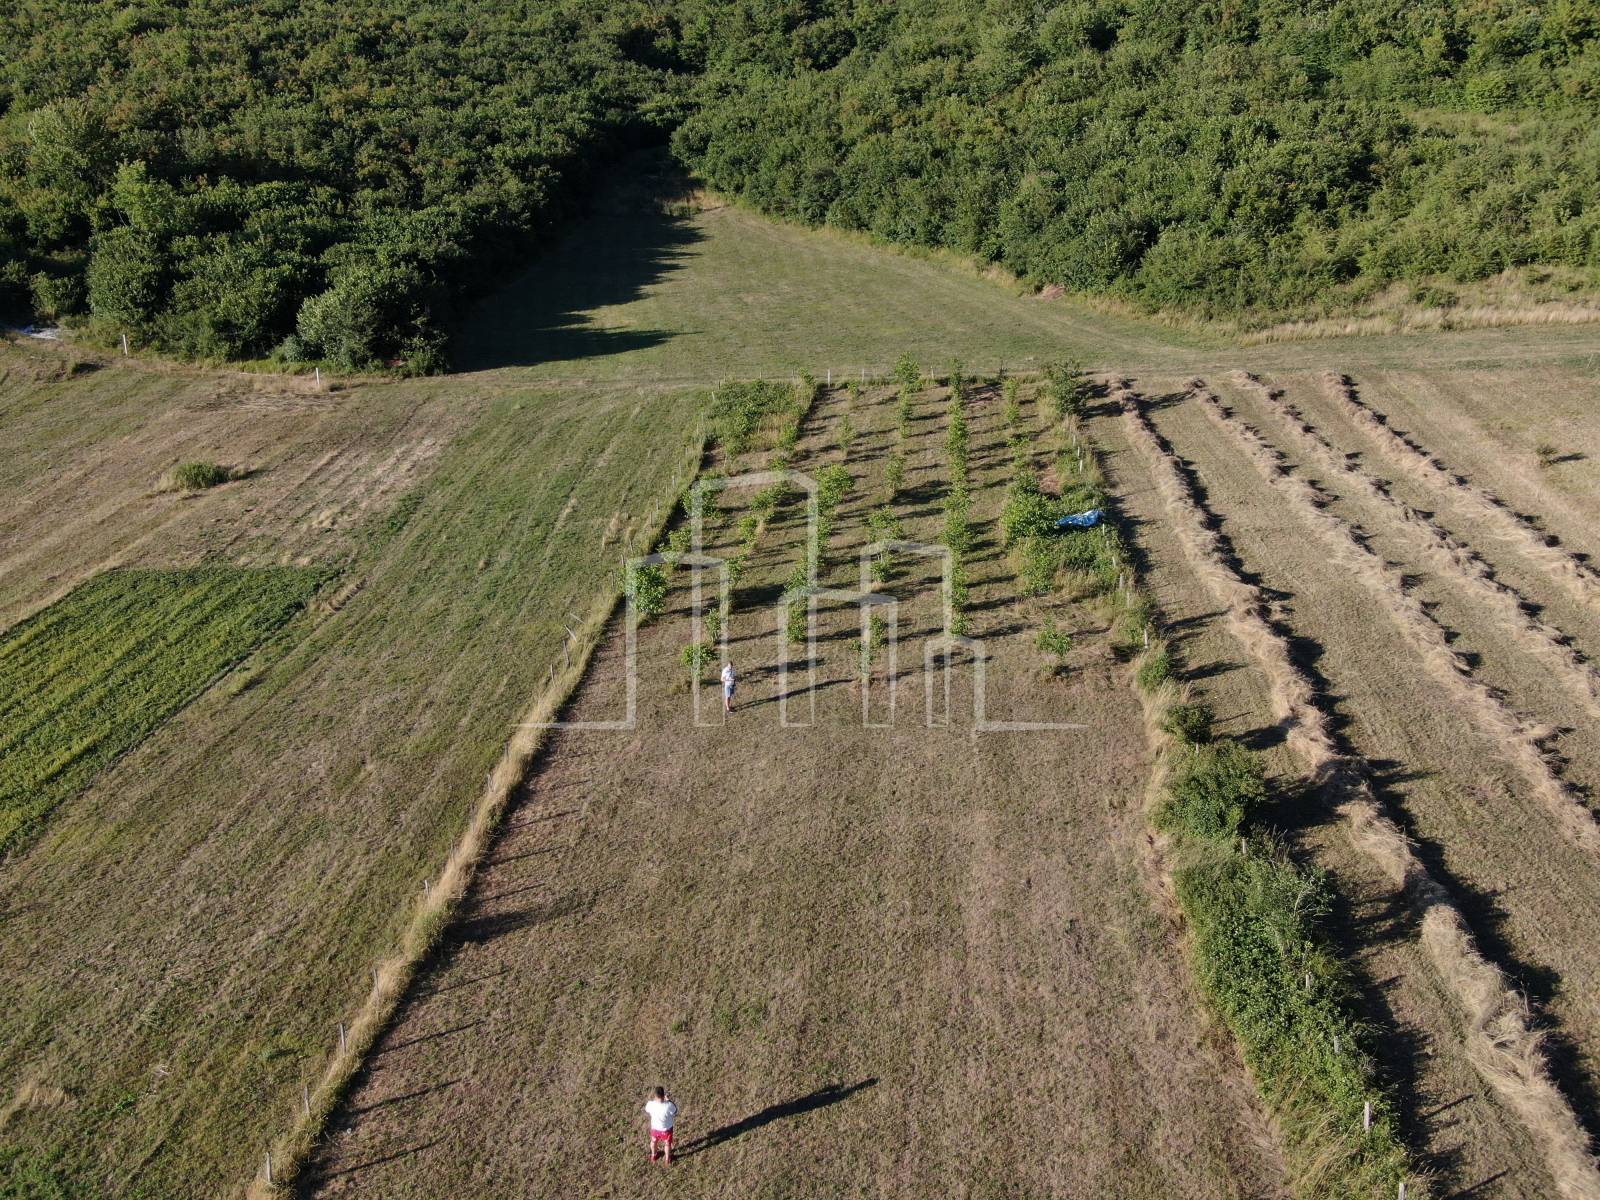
(1442, 551)
(1405, 455)
(1519, 741)
(1501, 1042)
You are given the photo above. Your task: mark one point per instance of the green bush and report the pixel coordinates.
(647, 586)
(1055, 641)
(1154, 669)
(1189, 723)
(697, 656)
(1214, 790)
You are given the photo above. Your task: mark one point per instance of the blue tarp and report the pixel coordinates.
(1083, 520)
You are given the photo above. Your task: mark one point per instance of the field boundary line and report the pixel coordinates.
(1409, 456)
(1501, 1042)
(1444, 551)
(1518, 740)
(433, 912)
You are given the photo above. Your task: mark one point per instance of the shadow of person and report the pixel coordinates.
(833, 1093)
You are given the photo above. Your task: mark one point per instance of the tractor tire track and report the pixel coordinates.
(1501, 1042)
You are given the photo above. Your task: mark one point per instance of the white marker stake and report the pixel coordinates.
(124, 345)
(1366, 1115)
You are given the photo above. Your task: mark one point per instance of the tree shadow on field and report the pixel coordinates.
(610, 259)
(832, 1093)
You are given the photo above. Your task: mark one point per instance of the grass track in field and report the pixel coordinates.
(91, 676)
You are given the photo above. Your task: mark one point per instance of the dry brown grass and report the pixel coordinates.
(1445, 553)
(1414, 319)
(440, 902)
(1501, 1042)
(1405, 455)
(1520, 741)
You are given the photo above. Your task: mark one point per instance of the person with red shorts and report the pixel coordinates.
(662, 1113)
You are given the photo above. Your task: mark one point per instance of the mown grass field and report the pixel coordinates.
(232, 878)
(867, 961)
(89, 677)
(943, 911)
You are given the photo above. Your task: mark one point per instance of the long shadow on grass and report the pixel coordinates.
(613, 258)
(832, 1093)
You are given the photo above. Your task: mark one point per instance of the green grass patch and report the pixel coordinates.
(84, 681)
(194, 477)
(1262, 959)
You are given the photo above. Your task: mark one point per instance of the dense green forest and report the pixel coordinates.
(332, 179)
(322, 178)
(1236, 157)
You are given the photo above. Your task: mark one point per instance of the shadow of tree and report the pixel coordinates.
(546, 314)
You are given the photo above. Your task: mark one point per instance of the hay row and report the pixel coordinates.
(1519, 741)
(1437, 547)
(1500, 1040)
(1406, 455)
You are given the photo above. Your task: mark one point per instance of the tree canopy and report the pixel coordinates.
(329, 179)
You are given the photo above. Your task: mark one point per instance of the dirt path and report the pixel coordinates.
(868, 962)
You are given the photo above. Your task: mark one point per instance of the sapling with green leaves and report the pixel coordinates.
(908, 374)
(1012, 391)
(646, 585)
(697, 656)
(894, 474)
(885, 527)
(903, 413)
(1056, 642)
(847, 434)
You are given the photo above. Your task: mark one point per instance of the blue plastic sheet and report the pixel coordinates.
(1083, 520)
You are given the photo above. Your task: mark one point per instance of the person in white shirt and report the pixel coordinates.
(728, 684)
(663, 1113)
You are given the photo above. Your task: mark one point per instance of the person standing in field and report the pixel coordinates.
(728, 684)
(663, 1114)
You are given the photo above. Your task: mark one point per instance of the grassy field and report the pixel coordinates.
(89, 677)
(938, 915)
(868, 961)
(234, 877)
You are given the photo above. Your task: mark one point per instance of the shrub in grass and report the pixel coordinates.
(847, 434)
(1056, 642)
(194, 477)
(712, 622)
(1067, 390)
(833, 485)
(907, 374)
(894, 474)
(647, 586)
(750, 528)
(1012, 391)
(677, 545)
(1214, 790)
(1154, 670)
(697, 656)
(1547, 454)
(903, 415)
(794, 622)
(1190, 723)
